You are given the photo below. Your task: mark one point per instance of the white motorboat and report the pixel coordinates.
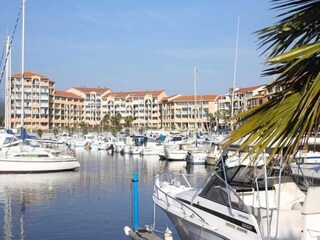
(214, 154)
(175, 152)
(126, 149)
(238, 203)
(128, 143)
(24, 159)
(119, 144)
(136, 150)
(162, 155)
(152, 150)
(196, 157)
(199, 155)
(307, 164)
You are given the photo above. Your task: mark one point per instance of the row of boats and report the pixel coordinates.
(172, 146)
(238, 200)
(198, 150)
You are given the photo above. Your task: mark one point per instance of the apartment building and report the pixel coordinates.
(143, 106)
(38, 96)
(249, 97)
(92, 102)
(188, 112)
(46, 108)
(68, 110)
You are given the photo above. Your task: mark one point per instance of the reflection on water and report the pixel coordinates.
(92, 203)
(17, 191)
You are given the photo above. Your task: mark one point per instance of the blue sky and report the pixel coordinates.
(130, 45)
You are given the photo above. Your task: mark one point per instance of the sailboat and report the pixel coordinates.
(28, 159)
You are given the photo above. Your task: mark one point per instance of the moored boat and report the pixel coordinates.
(24, 159)
(240, 202)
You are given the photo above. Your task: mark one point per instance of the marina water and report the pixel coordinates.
(94, 202)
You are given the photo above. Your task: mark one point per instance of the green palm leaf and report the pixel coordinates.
(286, 121)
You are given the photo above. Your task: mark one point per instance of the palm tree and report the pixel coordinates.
(224, 115)
(212, 120)
(116, 121)
(55, 131)
(292, 47)
(128, 121)
(105, 122)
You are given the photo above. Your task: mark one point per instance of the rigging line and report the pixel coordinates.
(10, 44)
(2, 55)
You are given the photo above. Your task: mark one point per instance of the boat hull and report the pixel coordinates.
(37, 165)
(191, 231)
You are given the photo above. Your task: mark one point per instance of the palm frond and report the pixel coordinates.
(287, 120)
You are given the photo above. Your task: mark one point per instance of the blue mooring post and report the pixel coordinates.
(135, 181)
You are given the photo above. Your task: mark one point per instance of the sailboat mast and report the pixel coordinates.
(22, 65)
(235, 68)
(195, 94)
(8, 87)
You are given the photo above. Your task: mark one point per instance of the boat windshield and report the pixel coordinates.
(239, 179)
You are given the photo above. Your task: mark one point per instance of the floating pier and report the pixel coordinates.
(141, 234)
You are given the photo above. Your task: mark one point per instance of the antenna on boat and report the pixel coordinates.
(235, 71)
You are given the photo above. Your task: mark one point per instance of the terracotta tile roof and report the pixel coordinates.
(66, 94)
(88, 90)
(169, 98)
(29, 75)
(134, 94)
(212, 97)
(247, 89)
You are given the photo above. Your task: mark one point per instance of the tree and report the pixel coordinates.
(39, 132)
(55, 132)
(212, 121)
(287, 120)
(105, 122)
(128, 121)
(116, 121)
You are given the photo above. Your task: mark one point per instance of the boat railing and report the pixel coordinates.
(189, 180)
(169, 200)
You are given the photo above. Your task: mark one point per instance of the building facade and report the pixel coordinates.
(143, 106)
(92, 102)
(37, 101)
(45, 108)
(68, 110)
(188, 112)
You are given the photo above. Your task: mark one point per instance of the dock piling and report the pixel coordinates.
(135, 181)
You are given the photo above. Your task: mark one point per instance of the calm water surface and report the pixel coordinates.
(92, 203)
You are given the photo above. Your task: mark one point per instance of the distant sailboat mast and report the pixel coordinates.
(22, 65)
(7, 122)
(195, 72)
(235, 71)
